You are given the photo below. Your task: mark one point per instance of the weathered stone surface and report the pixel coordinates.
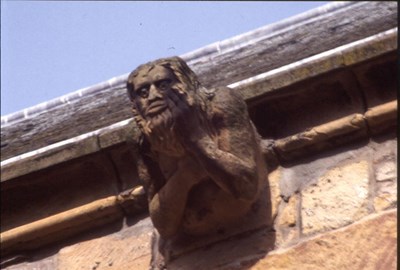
(385, 173)
(57, 189)
(48, 230)
(127, 249)
(293, 43)
(48, 156)
(290, 110)
(382, 118)
(274, 178)
(118, 133)
(345, 55)
(298, 175)
(327, 135)
(386, 200)
(386, 194)
(49, 263)
(289, 215)
(385, 160)
(306, 172)
(243, 250)
(339, 198)
(370, 243)
(287, 225)
(386, 186)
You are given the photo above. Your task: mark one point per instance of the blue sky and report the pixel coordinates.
(51, 48)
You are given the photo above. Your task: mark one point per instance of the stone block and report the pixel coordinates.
(49, 263)
(289, 215)
(385, 201)
(127, 249)
(386, 171)
(370, 243)
(386, 195)
(274, 178)
(339, 198)
(237, 252)
(287, 225)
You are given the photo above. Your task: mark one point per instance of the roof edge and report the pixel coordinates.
(217, 47)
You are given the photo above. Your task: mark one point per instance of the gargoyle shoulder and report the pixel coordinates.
(227, 101)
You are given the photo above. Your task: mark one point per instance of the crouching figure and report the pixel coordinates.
(200, 157)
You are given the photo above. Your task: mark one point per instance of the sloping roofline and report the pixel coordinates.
(219, 47)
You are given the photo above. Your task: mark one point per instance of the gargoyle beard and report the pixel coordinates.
(160, 131)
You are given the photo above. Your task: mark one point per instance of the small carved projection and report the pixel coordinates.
(200, 158)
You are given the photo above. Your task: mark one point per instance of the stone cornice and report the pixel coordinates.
(252, 89)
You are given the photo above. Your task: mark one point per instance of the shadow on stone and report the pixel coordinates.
(239, 247)
(52, 249)
(236, 252)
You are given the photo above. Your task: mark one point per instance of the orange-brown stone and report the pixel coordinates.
(370, 243)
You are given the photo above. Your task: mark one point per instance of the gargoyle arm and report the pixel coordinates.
(167, 198)
(231, 159)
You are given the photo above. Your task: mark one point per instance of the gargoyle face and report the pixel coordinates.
(151, 85)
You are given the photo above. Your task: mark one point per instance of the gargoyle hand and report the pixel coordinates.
(188, 125)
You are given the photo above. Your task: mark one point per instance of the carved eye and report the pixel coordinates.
(163, 85)
(143, 91)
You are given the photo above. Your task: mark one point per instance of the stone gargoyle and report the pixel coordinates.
(200, 160)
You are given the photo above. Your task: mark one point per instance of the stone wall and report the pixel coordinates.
(336, 210)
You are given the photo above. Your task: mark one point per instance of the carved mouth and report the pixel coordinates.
(156, 108)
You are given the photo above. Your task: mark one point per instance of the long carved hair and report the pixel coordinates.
(187, 85)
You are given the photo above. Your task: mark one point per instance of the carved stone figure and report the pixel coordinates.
(201, 163)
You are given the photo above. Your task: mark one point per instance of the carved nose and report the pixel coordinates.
(154, 93)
